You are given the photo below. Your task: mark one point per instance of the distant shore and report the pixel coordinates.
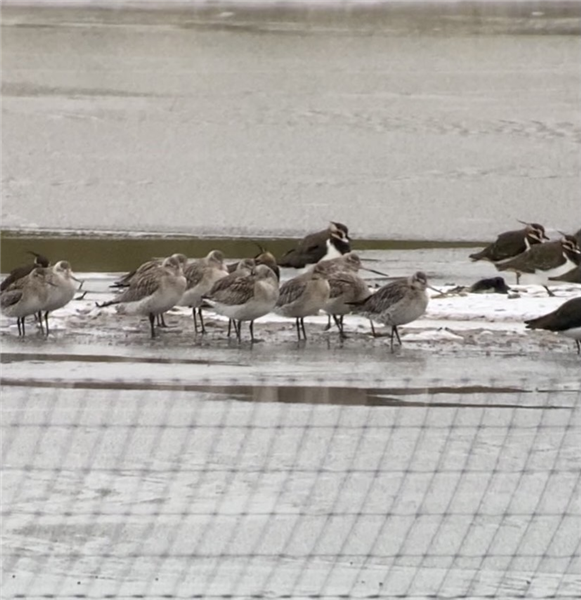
(440, 17)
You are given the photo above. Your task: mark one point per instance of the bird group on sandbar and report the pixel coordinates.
(331, 282)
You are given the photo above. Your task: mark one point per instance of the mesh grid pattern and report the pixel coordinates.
(286, 492)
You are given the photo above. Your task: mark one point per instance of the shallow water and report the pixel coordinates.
(436, 126)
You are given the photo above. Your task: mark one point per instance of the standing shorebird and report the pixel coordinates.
(153, 292)
(566, 320)
(62, 288)
(27, 296)
(24, 270)
(348, 263)
(397, 303)
(512, 243)
(245, 298)
(544, 261)
(141, 270)
(345, 288)
(303, 296)
(124, 281)
(243, 269)
(201, 275)
(329, 243)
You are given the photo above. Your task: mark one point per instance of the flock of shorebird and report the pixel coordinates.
(250, 288)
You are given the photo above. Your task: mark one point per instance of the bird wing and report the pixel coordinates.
(508, 244)
(125, 280)
(140, 287)
(291, 290)
(311, 248)
(539, 256)
(385, 297)
(341, 284)
(194, 272)
(10, 297)
(15, 275)
(239, 291)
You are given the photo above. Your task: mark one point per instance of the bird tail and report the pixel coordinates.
(538, 323)
(476, 256)
(290, 259)
(359, 303)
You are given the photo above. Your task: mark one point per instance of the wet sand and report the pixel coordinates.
(256, 123)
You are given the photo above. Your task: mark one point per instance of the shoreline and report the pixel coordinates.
(500, 17)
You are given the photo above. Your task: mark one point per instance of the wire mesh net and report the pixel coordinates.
(283, 491)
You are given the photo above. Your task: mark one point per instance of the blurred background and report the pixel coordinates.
(424, 121)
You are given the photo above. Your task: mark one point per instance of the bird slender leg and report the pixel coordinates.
(328, 323)
(230, 321)
(195, 319)
(372, 328)
(201, 320)
(251, 327)
(517, 278)
(238, 327)
(397, 334)
(549, 291)
(303, 328)
(152, 325)
(578, 346)
(161, 320)
(391, 338)
(18, 322)
(339, 322)
(22, 320)
(46, 323)
(297, 322)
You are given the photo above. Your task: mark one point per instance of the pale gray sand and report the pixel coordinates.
(255, 130)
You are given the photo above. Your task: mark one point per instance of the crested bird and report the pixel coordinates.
(543, 261)
(566, 320)
(329, 243)
(512, 243)
(24, 270)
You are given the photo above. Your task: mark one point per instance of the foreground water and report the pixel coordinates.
(255, 122)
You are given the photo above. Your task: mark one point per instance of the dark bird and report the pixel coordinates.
(24, 270)
(573, 276)
(397, 303)
(323, 245)
(512, 243)
(495, 285)
(544, 261)
(566, 320)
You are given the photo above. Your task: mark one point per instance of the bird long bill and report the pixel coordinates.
(435, 289)
(81, 281)
(374, 271)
